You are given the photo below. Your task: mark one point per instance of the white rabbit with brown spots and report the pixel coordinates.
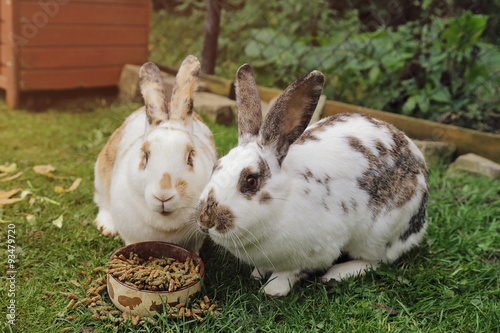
(149, 175)
(289, 201)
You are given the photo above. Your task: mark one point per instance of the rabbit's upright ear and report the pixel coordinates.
(184, 88)
(153, 91)
(249, 107)
(290, 114)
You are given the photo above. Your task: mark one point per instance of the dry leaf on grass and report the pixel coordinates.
(74, 186)
(45, 170)
(8, 194)
(6, 179)
(58, 222)
(8, 168)
(5, 197)
(9, 201)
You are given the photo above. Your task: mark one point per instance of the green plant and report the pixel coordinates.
(425, 70)
(437, 66)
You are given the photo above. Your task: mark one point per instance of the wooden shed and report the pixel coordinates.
(65, 44)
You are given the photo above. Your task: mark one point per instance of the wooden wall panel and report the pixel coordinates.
(70, 78)
(83, 13)
(61, 57)
(65, 35)
(64, 44)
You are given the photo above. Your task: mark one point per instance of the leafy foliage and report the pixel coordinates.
(425, 71)
(437, 67)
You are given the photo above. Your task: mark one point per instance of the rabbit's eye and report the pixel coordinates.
(249, 182)
(145, 158)
(252, 182)
(190, 156)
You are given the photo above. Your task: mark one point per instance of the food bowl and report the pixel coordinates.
(147, 302)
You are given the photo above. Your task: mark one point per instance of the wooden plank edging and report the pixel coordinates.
(466, 140)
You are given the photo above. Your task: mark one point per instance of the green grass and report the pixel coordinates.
(448, 283)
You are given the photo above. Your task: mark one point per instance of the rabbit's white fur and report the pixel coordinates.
(149, 175)
(349, 183)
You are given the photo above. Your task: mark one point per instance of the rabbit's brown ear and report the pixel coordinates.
(249, 107)
(153, 91)
(290, 114)
(184, 88)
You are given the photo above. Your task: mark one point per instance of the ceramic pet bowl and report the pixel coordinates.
(146, 302)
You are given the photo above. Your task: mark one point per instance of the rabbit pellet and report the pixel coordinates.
(101, 309)
(165, 274)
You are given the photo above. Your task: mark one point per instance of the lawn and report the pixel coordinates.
(450, 282)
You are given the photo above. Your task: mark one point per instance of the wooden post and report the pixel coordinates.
(212, 27)
(11, 71)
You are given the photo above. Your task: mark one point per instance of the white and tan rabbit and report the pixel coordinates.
(149, 175)
(290, 202)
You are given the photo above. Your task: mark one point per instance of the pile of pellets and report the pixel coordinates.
(152, 274)
(166, 274)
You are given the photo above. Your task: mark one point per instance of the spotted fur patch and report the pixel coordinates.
(375, 122)
(389, 185)
(349, 206)
(418, 220)
(181, 187)
(307, 174)
(212, 214)
(166, 181)
(265, 198)
(311, 133)
(344, 207)
(310, 177)
(261, 175)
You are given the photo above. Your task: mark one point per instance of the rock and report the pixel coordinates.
(318, 112)
(130, 91)
(476, 164)
(216, 108)
(434, 151)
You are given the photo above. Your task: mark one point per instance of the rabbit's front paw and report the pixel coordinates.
(277, 288)
(344, 270)
(105, 224)
(280, 284)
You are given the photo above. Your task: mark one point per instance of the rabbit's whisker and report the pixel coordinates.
(257, 244)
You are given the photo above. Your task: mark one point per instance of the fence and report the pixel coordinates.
(432, 59)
